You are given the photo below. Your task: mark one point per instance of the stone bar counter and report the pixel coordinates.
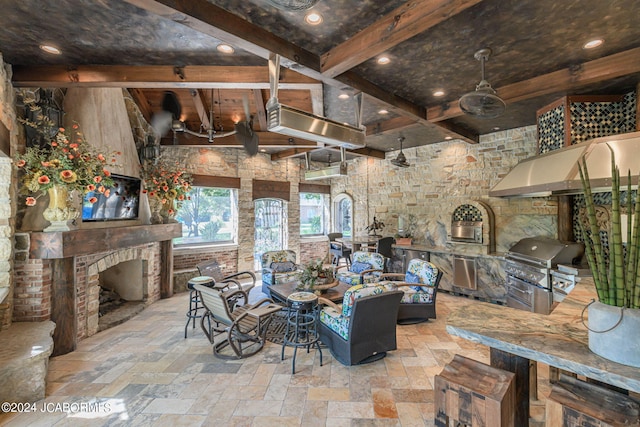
(559, 339)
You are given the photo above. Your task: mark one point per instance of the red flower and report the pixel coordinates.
(106, 172)
(74, 146)
(92, 200)
(165, 188)
(31, 201)
(43, 180)
(144, 191)
(75, 126)
(91, 187)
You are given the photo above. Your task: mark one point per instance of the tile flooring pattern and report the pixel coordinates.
(145, 373)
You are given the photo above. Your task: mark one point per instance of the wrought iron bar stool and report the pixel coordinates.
(196, 309)
(301, 329)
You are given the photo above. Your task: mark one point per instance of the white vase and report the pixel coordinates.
(614, 333)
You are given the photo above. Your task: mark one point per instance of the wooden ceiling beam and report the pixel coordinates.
(395, 124)
(143, 103)
(201, 108)
(408, 20)
(267, 140)
(597, 70)
(157, 77)
(205, 17)
(260, 111)
(360, 152)
(290, 153)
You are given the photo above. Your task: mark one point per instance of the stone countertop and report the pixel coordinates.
(559, 339)
(445, 250)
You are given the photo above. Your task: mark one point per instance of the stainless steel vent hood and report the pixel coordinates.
(556, 172)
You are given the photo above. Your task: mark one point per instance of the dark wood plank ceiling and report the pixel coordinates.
(537, 57)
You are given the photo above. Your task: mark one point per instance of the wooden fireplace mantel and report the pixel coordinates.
(63, 247)
(66, 244)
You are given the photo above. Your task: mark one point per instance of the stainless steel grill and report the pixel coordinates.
(529, 266)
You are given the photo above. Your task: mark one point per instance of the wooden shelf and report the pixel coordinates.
(65, 244)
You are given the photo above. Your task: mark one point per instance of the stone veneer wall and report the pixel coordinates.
(7, 195)
(235, 163)
(441, 177)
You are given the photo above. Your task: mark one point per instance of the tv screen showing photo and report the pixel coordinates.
(122, 202)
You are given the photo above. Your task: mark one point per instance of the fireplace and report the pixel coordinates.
(58, 275)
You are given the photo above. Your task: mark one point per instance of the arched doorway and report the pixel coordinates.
(343, 215)
(270, 227)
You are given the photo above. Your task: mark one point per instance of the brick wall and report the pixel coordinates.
(188, 258)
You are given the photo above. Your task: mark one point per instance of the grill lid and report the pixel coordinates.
(546, 251)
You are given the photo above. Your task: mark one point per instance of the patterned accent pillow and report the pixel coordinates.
(411, 278)
(282, 267)
(359, 267)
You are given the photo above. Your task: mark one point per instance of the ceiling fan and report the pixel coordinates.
(483, 102)
(245, 133)
(400, 160)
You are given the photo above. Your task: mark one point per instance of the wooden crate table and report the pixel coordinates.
(575, 403)
(473, 394)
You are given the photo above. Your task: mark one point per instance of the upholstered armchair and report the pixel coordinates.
(363, 328)
(420, 287)
(278, 267)
(366, 267)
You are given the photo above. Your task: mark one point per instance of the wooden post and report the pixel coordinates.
(565, 218)
(63, 305)
(166, 269)
(519, 366)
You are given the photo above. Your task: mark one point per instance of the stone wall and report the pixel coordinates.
(442, 177)
(8, 145)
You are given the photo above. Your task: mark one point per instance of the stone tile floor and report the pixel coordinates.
(145, 373)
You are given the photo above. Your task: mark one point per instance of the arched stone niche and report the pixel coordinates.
(476, 210)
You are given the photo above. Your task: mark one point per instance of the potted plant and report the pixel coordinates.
(166, 187)
(316, 277)
(614, 320)
(62, 164)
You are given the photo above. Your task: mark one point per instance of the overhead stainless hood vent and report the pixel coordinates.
(556, 172)
(300, 124)
(331, 171)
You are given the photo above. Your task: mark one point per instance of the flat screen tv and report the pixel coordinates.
(122, 204)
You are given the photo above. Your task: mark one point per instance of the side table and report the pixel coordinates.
(301, 329)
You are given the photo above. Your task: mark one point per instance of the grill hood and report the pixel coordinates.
(556, 172)
(546, 251)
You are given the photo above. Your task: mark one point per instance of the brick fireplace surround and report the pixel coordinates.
(57, 274)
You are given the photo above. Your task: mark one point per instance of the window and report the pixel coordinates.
(343, 215)
(210, 215)
(312, 214)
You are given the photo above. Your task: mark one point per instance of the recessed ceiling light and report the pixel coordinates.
(343, 96)
(313, 18)
(384, 60)
(50, 49)
(448, 138)
(383, 111)
(438, 93)
(225, 48)
(496, 128)
(591, 44)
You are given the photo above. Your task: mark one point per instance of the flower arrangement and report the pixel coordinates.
(66, 160)
(166, 184)
(314, 273)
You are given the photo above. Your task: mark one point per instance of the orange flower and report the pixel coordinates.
(144, 191)
(43, 180)
(106, 172)
(101, 189)
(181, 197)
(75, 126)
(107, 193)
(101, 157)
(92, 200)
(165, 188)
(68, 176)
(45, 164)
(74, 146)
(70, 156)
(31, 201)
(20, 163)
(61, 130)
(91, 187)
(54, 144)
(171, 211)
(164, 201)
(97, 179)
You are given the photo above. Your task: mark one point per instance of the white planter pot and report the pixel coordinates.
(614, 333)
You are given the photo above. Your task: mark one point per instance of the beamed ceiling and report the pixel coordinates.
(151, 46)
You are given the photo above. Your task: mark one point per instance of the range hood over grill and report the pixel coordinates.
(556, 172)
